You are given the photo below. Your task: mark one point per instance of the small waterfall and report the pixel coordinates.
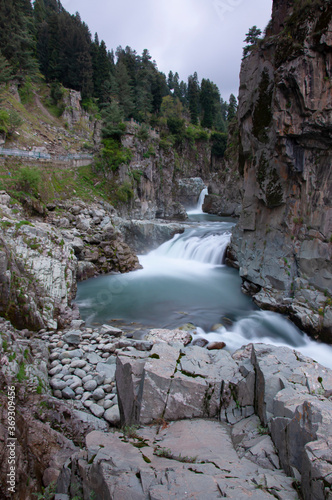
(199, 207)
(202, 245)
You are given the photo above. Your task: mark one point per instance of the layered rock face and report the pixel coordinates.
(283, 239)
(41, 259)
(167, 180)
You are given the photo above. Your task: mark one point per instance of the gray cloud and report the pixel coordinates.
(183, 36)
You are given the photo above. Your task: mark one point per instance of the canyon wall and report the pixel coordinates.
(283, 244)
(165, 180)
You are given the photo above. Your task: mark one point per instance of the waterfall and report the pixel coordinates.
(201, 244)
(199, 207)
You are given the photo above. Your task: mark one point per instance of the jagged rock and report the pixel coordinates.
(164, 335)
(73, 337)
(187, 459)
(172, 383)
(146, 235)
(111, 330)
(68, 393)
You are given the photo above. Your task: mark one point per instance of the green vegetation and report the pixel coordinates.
(21, 375)
(124, 192)
(112, 155)
(29, 180)
(44, 40)
(252, 38)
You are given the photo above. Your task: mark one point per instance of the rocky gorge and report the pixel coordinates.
(100, 414)
(282, 243)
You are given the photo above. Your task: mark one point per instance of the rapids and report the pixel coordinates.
(185, 281)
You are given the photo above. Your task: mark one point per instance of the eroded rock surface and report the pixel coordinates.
(43, 256)
(283, 239)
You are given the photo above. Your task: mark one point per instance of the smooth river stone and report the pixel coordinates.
(80, 373)
(78, 363)
(90, 385)
(112, 415)
(98, 394)
(97, 410)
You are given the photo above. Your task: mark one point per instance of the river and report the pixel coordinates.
(185, 281)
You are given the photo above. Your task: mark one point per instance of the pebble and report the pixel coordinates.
(215, 345)
(79, 390)
(107, 404)
(88, 403)
(54, 355)
(107, 388)
(100, 378)
(58, 394)
(55, 363)
(68, 393)
(55, 370)
(98, 394)
(97, 410)
(112, 415)
(57, 384)
(76, 384)
(86, 378)
(80, 373)
(78, 363)
(90, 385)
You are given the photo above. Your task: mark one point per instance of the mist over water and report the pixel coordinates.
(185, 280)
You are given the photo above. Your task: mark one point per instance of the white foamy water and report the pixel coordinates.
(204, 244)
(199, 207)
(184, 281)
(265, 327)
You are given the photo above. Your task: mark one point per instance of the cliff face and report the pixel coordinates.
(165, 180)
(283, 239)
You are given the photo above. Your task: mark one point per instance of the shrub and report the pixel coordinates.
(143, 133)
(29, 180)
(113, 154)
(124, 192)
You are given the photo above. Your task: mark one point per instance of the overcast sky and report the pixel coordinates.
(181, 35)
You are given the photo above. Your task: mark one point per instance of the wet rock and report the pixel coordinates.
(111, 330)
(215, 345)
(200, 342)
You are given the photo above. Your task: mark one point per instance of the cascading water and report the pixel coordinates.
(205, 244)
(199, 207)
(184, 281)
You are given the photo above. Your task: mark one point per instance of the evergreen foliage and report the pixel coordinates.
(251, 39)
(45, 38)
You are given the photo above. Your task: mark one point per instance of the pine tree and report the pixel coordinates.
(251, 39)
(193, 98)
(124, 90)
(5, 70)
(232, 108)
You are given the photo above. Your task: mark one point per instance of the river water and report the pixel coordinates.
(185, 281)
